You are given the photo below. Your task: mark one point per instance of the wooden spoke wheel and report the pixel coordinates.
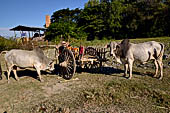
(67, 64)
(88, 66)
(95, 67)
(90, 51)
(92, 68)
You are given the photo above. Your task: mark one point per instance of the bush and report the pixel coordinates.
(7, 44)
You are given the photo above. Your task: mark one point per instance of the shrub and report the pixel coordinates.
(7, 44)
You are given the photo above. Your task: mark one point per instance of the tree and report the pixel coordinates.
(114, 10)
(112, 19)
(91, 21)
(64, 25)
(101, 20)
(65, 15)
(91, 3)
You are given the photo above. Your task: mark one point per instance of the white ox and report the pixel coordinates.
(127, 52)
(27, 59)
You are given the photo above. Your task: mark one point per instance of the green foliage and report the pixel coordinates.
(145, 19)
(91, 21)
(92, 3)
(65, 15)
(101, 20)
(64, 26)
(7, 44)
(114, 17)
(64, 31)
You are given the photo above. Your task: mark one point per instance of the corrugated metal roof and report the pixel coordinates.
(26, 28)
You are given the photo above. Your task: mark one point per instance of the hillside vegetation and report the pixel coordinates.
(7, 44)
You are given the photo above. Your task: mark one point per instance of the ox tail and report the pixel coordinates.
(161, 51)
(3, 52)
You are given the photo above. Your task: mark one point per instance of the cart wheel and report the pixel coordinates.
(67, 64)
(90, 51)
(92, 68)
(87, 66)
(95, 67)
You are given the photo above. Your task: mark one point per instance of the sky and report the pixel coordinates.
(31, 12)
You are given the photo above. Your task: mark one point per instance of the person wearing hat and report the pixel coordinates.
(63, 45)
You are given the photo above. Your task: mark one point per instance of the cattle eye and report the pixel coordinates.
(50, 63)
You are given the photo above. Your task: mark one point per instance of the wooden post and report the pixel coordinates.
(20, 33)
(39, 33)
(104, 53)
(29, 33)
(32, 33)
(15, 33)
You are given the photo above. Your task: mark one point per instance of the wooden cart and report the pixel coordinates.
(69, 60)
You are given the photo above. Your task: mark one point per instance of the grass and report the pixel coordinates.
(129, 95)
(102, 43)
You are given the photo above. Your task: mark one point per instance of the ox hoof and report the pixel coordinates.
(8, 81)
(41, 80)
(154, 76)
(129, 78)
(124, 75)
(160, 78)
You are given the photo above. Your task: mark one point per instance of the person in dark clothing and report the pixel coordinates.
(81, 51)
(63, 45)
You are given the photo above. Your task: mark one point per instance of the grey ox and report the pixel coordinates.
(27, 59)
(127, 52)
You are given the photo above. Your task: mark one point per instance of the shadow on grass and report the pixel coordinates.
(28, 73)
(110, 71)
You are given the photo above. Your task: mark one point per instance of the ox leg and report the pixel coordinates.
(15, 73)
(39, 74)
(9, 71)
(130, 64)
(156, 68)
(161, 68)
(0, 72)
(125, 69)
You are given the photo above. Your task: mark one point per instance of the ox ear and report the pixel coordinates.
(117, 46)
